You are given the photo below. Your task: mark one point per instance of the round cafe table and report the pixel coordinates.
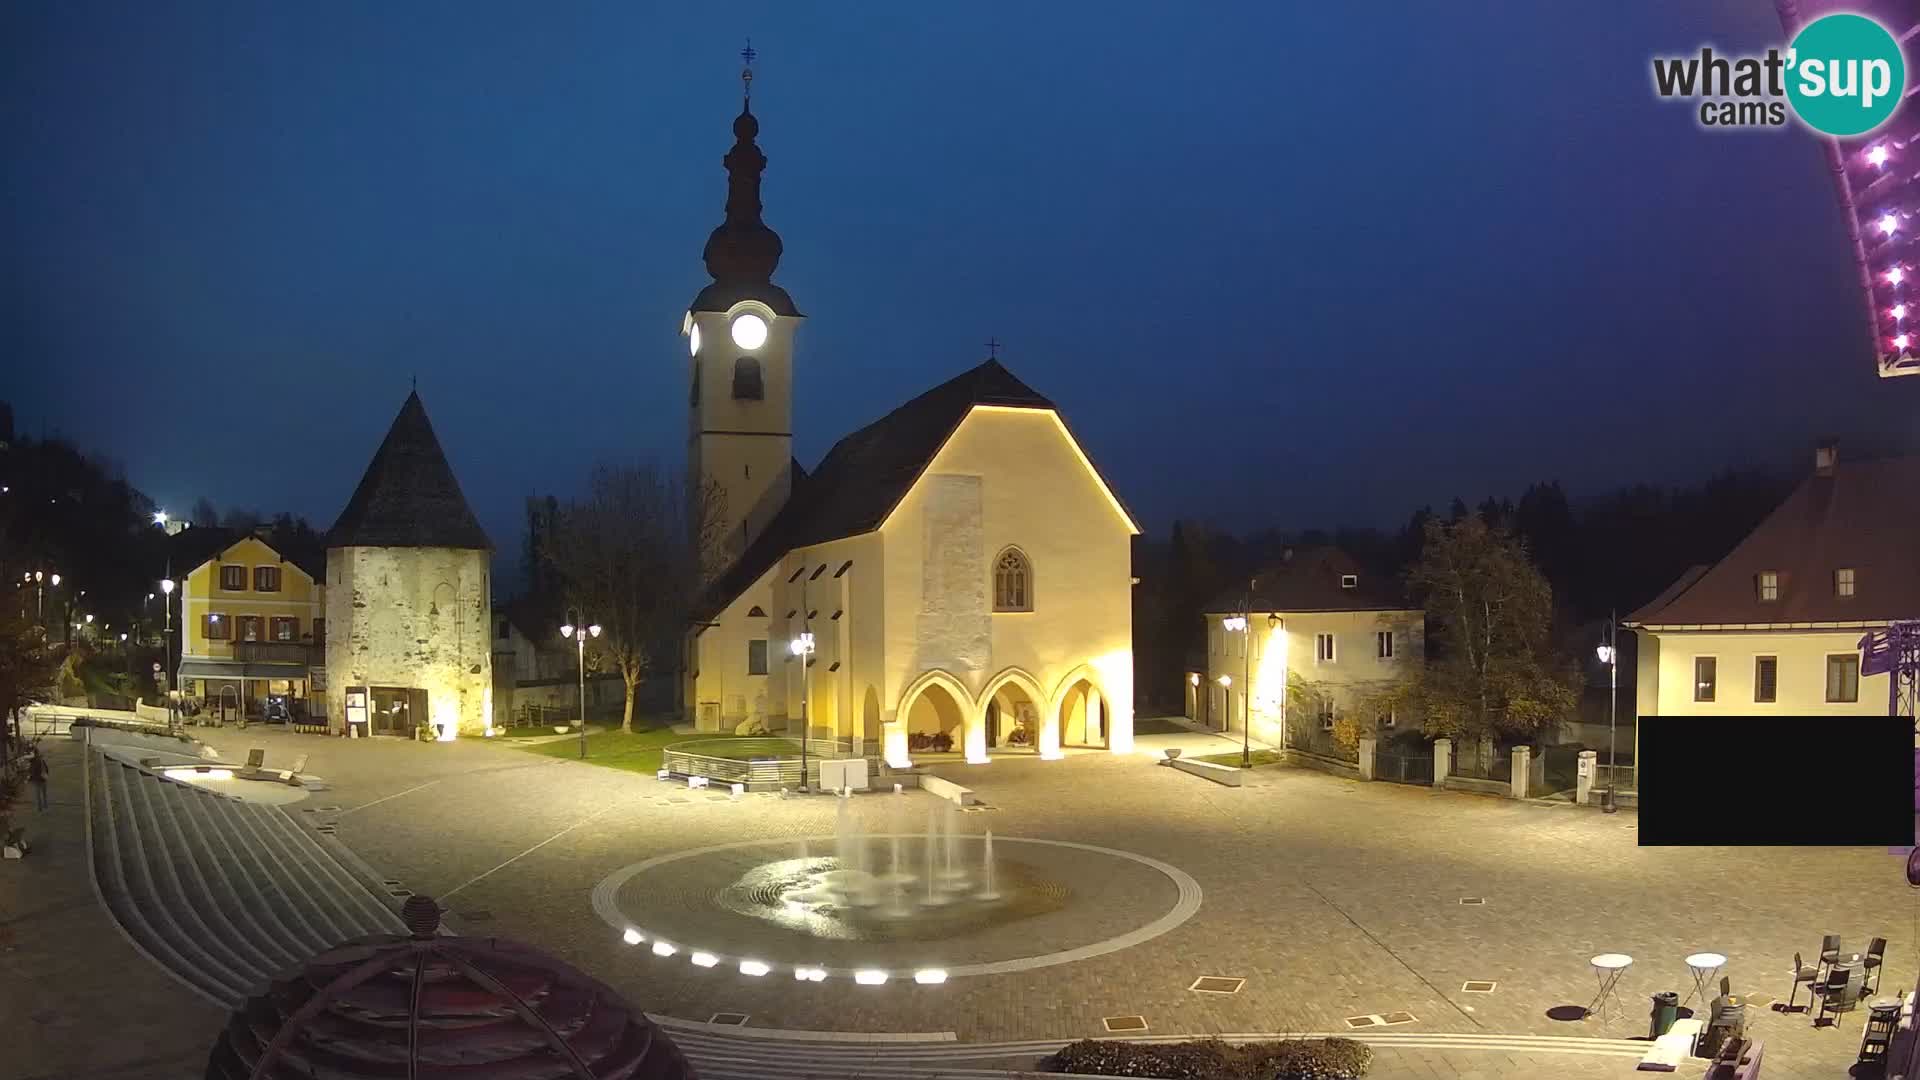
(1607, 969)
(1704, 966)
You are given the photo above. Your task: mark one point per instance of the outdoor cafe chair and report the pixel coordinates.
(1875, 952)
(1803, 974)
(1829, 950)
(1833, 994)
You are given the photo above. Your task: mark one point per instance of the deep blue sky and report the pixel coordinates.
(1346, 258)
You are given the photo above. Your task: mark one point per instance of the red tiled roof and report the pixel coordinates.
(1864, 517)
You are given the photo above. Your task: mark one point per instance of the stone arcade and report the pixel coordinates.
(408, 607)
(958, 570)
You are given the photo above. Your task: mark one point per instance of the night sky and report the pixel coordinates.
(1298, 265)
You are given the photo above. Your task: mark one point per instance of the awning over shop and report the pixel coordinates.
(234, 669)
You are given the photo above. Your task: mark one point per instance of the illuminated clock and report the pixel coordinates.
(693, 339)
(749, 331)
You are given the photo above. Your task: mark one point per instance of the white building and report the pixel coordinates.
(1775, 626)
(961, 568)
(409, 614)
(1342, 632)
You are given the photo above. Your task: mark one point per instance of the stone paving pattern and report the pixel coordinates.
(1331, 897)
(66, 971)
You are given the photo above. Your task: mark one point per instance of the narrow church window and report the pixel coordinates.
(693, 396)
(1012, 581)
(757, 656)
(747, 385)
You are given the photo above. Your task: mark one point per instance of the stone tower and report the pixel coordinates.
(739, 333)
(408, 606)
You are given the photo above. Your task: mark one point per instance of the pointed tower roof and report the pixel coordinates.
(408, 497)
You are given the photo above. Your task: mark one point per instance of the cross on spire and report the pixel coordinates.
(993, 348)
(747, 56)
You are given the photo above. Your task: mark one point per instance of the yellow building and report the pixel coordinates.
(954, 577)
(252, 622)
(1321, 621)
(1775, 627)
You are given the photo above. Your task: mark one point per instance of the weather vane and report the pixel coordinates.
(746, 73)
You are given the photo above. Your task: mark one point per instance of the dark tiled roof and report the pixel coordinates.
(867, 473)
(1864, 517)
(190, 548)
(408, 498)
(1310, 581)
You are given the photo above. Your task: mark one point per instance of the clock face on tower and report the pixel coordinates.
(693, 339)
(749, 331)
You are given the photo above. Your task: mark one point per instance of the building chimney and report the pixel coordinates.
(1825, 456)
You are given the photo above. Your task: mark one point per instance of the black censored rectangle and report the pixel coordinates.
(1756, 781)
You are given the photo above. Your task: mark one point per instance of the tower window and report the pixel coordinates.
(1843, 582)
(747, 385)
(1767, 584)
(693, 395)
(1012, 581)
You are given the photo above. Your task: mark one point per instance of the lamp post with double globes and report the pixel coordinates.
(580, 634)
(166, 645)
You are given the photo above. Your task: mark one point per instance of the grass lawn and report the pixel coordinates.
(1260, 757)
(638, 752)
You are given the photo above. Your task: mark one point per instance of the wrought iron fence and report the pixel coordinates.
(1404, 767)
(1469, 764)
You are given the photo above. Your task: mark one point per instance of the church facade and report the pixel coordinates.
(954, 577)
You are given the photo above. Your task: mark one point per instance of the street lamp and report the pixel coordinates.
(580, 634)
(160, 518)
(166, 645)
(1609, 655)
(802, 647)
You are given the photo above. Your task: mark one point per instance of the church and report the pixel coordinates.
(954, 577)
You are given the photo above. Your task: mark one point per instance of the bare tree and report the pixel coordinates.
(633, 554)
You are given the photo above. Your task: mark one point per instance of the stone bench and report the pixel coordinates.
(1219, 774)
(947, 789)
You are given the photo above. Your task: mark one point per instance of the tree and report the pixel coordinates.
(1491, 614)
(27, 669)
(203, 515)
(634, 553)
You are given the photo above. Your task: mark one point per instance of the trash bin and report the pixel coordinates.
(1666, 1009)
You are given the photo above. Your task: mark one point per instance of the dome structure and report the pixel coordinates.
(430, 1007)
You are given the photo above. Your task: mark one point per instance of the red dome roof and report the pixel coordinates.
(426, 1007)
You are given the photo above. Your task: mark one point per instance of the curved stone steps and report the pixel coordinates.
(224, 893)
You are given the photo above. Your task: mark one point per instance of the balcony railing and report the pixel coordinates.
(278, 652)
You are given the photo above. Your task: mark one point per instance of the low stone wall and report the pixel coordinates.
(1502, 788)
(1311, 760)
(1207, 770)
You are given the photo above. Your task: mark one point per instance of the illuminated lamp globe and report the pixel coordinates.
(1878, 155)
(1889, 223)
(420, 1003)
(166, 586)
(1899, 311)
(56, 580)
(567, 631)
(749, 331)
(693, 340)
(594, 630)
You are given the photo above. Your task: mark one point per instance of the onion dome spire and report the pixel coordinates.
(743, 251)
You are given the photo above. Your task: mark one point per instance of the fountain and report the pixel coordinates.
(897, 893)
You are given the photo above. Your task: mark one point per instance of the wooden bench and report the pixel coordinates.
(947, 789)
(1219, 774)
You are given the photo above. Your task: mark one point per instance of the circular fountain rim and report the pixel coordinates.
(1185, 906)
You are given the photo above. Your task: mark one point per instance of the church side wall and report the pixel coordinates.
(1010, 477)
(847, 649)
(724, 695)
(416, 618)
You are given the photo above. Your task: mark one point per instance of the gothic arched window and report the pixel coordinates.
(1012, 581)
(746, 380)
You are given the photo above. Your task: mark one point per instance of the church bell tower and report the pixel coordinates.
(739, 333)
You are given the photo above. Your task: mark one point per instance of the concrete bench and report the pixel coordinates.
(1219, 774)
(1675, 1047)
(947, 789)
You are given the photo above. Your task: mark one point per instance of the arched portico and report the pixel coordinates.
(935, 703)
(1080, 712)
(1013, 712)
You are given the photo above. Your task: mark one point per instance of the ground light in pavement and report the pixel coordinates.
(1097, 900)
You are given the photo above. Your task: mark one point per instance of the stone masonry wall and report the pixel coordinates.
(412, 617)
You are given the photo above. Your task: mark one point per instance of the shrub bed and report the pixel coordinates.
(1211, 1059)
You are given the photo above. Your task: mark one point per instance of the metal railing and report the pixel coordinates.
(276, 652)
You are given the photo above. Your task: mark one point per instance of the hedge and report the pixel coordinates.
(1211, 1059)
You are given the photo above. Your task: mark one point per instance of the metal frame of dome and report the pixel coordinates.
(655, 1057)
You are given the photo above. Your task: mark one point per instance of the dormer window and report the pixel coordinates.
(1843, 581)
(1349, 581)
(1767, 585)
